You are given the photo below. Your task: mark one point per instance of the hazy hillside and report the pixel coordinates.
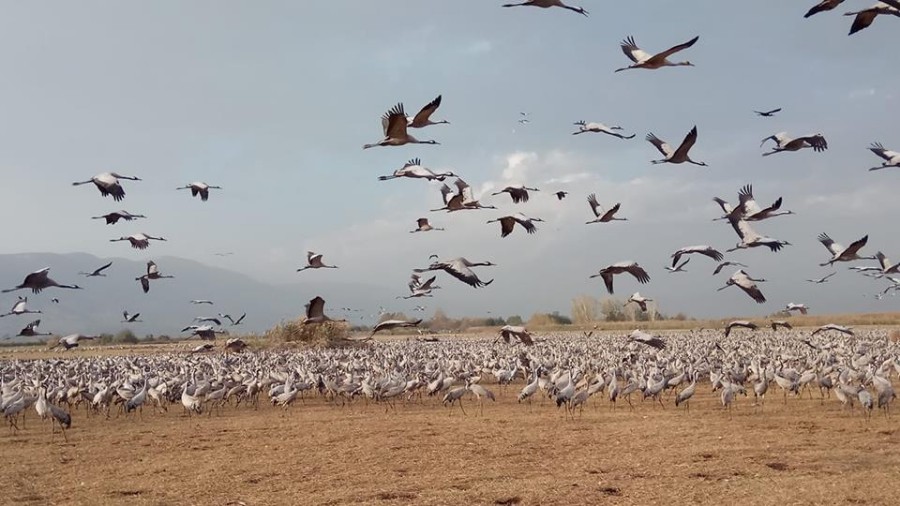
(167, 308)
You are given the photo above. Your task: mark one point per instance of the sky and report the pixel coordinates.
(274, 100)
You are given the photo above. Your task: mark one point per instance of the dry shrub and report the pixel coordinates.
(894, 336)
(324, 334)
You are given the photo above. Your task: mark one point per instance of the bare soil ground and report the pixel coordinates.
(421, 453)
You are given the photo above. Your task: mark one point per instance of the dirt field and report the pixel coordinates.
(316, 453)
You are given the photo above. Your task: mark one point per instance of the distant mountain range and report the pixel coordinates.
(167, 308)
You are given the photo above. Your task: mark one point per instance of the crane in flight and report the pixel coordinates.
(97, 272)
(544, 4)
(37, 281)
(601, 216)
(784, 143)
(746, 283)
(314, 261)
(891, 158)
(768, 114)
(592, 127)
(679, 155)
(394, 124)
(628, 266)
(644, 60)
(841, 254)
(108, 184)
(423, 117)
(460, 268)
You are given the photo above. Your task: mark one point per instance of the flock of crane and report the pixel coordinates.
(566, 368)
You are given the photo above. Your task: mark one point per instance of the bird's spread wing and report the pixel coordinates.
(680, 47)
(633, 52)
(829, 243)
(748, 204)
(464, 274)
(394, 122)
(608, 280)
(817, 142)
(426, 112)
(316, 307)
(639, 273)
(688, 142)
(595, 205)
(857, 245)
(612, 211)
(660, 144)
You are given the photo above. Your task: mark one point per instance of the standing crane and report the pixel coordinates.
(394, 123)
(108, 184)
(644, 60)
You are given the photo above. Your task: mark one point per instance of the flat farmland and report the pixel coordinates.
(316, 452)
